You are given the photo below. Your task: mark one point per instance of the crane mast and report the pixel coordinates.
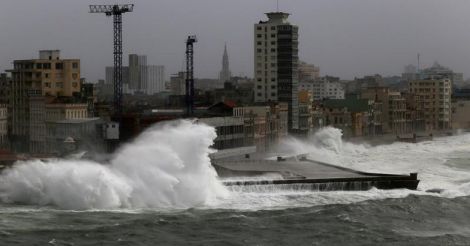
(116, 11)
(190, 74)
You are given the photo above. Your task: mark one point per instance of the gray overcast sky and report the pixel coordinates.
(345, 38)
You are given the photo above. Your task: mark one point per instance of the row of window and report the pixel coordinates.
(273, 94)
(47, 65)
(272, 80)
(261, 50)
(59, 84)
(260, 28)
(261, 87)
(261, 35)
(266, 43)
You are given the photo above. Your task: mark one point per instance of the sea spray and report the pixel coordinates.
(167, 166)
(429, 159)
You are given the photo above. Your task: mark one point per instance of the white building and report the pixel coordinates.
(276, 63)
(323, 89)
(155, 79)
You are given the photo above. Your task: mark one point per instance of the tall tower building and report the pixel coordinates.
(138, 72)
(276, 63)
(225, 73)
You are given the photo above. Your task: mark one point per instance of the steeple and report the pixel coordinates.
(225, 73)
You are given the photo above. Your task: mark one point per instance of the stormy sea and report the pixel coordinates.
(161, 190)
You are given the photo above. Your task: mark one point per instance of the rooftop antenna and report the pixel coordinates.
(418, 62)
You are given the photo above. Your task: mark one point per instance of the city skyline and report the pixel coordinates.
(338, 36)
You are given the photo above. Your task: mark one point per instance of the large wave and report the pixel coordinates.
(167, 166)
(443, 163)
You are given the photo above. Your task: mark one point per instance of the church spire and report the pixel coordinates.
(225, 73)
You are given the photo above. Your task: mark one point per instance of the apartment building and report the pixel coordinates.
(433, 96)
(47, 76)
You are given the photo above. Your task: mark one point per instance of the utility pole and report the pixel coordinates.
(116, 11)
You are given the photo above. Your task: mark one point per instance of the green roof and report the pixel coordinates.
(353, 104)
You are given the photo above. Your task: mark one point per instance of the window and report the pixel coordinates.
(259, 36)
(75, 65)
(273, 50)
(59, 65)
(273, 28)
(46, 66)
(259, 43)
(273, 87)
(39, 66)
(260, 87)
(259, 50)
(273, 35)
(74, 84)
(259, 28)
(46, 75)
(273, 43)
(74, 76)
(273, 94)
(59, 85)
(259, 94)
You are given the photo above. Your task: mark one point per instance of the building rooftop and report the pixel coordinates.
(77, 121)
(352, 104)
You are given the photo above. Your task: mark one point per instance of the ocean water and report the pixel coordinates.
(161, 190)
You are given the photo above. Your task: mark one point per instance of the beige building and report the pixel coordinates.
(264, 126)
(49, 75)
(460, 114)
(60, 112)
(308, 72)
(66, 111)
(434, 97)
(305, 111)
(392, 107)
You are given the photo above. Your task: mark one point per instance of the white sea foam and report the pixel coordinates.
(166, 166)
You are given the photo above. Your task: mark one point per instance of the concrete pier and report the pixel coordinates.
(310, 174)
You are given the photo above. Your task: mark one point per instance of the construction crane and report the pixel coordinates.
(116, 11)
(190, 74)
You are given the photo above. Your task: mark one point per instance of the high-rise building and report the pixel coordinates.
(155, 79)
(138, 72)
(225, 73)
(276, 63)
(32, 79)
(139, 77)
